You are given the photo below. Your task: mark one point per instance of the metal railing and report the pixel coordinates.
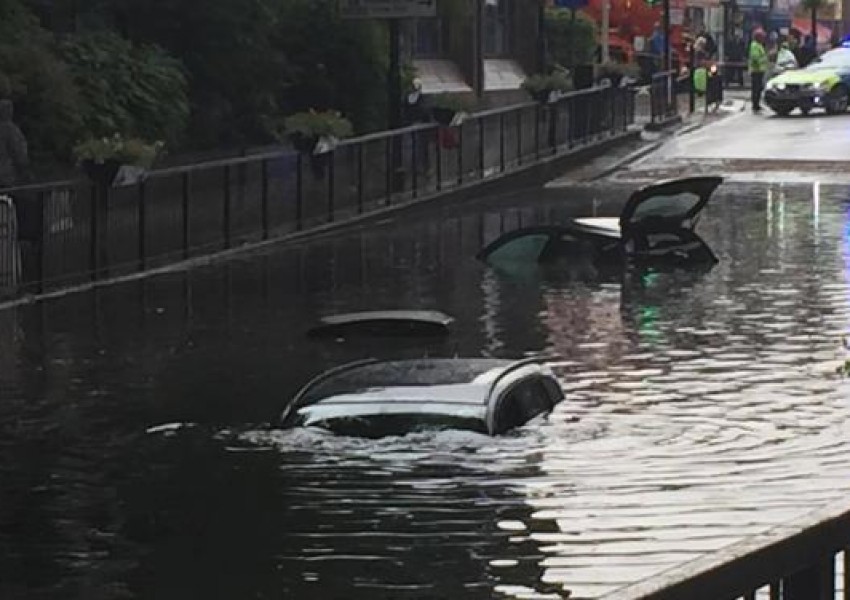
(663, 97)
(801, 560)
(71, 232)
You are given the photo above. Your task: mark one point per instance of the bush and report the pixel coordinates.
(47, 105)
(137, 90)
(315, 124)
(132, 151)
(541, 85)
(570, 43)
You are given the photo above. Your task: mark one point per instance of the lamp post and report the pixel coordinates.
(668, 63)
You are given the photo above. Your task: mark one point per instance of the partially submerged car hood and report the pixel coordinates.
(824, 76)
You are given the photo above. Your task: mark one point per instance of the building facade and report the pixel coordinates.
(482, 48)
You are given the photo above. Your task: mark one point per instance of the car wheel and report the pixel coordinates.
(805, 111)
(782, 111)
(837, 102)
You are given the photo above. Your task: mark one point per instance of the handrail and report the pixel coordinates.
(322, 377)
(744, 567)
(285, 151)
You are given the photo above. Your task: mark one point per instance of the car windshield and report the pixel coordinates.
(834, 59)
(677, 205)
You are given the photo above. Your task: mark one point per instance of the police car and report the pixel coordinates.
(823, 84)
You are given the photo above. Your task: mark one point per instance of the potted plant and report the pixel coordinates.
(449, 110)
(547, 87)
(115, 160)
(316, 134)
(616, 72)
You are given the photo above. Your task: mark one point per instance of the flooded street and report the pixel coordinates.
(139, 457)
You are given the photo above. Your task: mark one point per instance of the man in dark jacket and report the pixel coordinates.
(13, 148)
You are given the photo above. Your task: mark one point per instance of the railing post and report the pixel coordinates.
(142, 209)
(264, 198)
(481, 147)
(414, 165)
(226, 208)
(186, 196)
(388, 160)
(39, 245)
(460, 154)
(537, 131)
(439, 159)
(360, 187)
(299, 192)
(331, 184)
(519, 136)
(816, 582)
(502, 142)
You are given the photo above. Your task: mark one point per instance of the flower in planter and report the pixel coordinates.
(547, 88)
(116, 160)
(449, 110)
(314, 132)
(618, 73)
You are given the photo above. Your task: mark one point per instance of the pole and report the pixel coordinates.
(394, 75)
(395, 173)
(606, 30)
(667, 64)
(572, 38)
(815, 26)
(541, 40)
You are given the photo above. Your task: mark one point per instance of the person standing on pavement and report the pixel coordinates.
(758, 64)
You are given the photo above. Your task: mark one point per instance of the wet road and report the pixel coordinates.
(708, 409)
(762, 148)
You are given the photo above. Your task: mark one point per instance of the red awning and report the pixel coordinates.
(805, 27)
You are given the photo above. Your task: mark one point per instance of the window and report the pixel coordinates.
(522, 403)
(497, 28)
(428, 38)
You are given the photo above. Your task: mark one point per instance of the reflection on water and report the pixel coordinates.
(708, 410)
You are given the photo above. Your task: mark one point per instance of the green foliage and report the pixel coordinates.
(814, 5)
(31, 74)
(453, 102)
(316, 124)
(333, 63)
(137, 90)
(844, 369)
(618, 69)
(131, 151)
(570, 43)
(542, 83)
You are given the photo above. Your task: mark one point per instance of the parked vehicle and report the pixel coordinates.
(823, 84)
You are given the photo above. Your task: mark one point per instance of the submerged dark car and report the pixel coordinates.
(656, 226)
(379, 398)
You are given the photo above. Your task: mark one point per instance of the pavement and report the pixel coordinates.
(748, 147)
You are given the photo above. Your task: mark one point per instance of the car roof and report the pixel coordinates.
(454, 377)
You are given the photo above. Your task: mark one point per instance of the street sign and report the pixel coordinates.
(387, 9)
(573, 4)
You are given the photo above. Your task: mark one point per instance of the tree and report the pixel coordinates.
(570, 42)
(138, 91)
(47, 105)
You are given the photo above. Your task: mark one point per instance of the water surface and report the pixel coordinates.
(702, 407)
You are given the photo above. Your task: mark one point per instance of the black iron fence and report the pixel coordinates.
(69, 232)
(808, 559)
(663, 97)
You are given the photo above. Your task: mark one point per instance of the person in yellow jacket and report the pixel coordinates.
(758, 65)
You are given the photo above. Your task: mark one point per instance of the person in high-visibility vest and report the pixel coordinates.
(758, 63)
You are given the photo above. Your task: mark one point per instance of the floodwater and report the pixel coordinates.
(138, 456)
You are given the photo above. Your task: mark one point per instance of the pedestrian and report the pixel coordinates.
(657, 46)
(14, 163)
(808, 52)
(758, 65)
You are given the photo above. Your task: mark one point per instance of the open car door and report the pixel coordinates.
(658, 221)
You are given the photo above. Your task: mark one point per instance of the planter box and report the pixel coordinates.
(111, 173)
